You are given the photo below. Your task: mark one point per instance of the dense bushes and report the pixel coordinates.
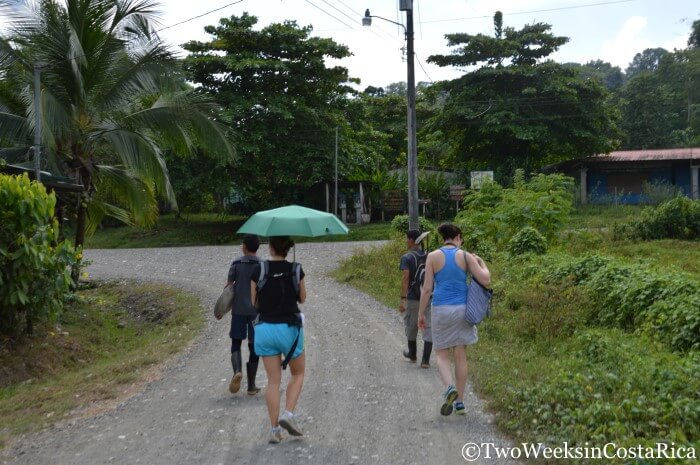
(636, 298)
(678, 218)
(34, 267)
(527, 240)
(400, 224)
(612, 387)
(496, 214)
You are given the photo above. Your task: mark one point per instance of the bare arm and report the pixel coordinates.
(427, 289)
(405, 278)
(478, 269)
(253, 292)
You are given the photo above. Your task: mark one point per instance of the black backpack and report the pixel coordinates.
(419, 273)
(295, 274)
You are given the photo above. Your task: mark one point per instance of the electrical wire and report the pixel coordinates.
(198, 16)
(532, 11)
(421, 67)
(328, 14)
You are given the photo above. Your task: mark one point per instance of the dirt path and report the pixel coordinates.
(361, 403)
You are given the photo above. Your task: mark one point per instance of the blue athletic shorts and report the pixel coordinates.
(277, 339)
(242, 326)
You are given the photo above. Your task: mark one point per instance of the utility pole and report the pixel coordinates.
(413, 222)
(335, 197)
(37, 122)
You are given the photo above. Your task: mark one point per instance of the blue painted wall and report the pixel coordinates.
(597, 184)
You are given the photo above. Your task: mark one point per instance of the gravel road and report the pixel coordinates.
(361, 403)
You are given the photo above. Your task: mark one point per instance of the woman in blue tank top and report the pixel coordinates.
(446, 278)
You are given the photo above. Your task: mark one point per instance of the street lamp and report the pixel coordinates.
(407, 6)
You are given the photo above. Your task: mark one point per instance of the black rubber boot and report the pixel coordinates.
(427, 349)
(251, 369)
(235, 384)
(411, 352)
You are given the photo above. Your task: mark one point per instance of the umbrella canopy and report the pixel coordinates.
(293, 220)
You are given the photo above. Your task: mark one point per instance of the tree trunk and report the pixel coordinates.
(79, 236)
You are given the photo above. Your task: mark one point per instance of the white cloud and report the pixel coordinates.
(627, 43)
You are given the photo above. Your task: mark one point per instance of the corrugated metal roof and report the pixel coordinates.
(649, 155)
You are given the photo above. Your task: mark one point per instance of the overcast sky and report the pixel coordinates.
(611, 30)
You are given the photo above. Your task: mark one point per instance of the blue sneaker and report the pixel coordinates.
(459, 408)
(449, 396)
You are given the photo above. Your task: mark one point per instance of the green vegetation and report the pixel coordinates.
(34, 266)
(678, 218)
(108, 340)
(209, 229)
(113, 98)
(582, 348)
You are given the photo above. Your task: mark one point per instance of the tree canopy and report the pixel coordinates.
(280, 98)
(112, 100)
(519, 109)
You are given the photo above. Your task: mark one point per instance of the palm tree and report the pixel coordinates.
(113, 100)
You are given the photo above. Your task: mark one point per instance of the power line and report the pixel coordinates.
(532, 11)
(349, 8)
(328, 14)
(341, 11)
(424, 71)
(198, 16)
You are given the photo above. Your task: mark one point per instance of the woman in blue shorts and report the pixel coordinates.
(278, 326)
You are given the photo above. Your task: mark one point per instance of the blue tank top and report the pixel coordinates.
(450, 281)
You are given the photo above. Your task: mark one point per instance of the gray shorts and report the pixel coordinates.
(410, 321)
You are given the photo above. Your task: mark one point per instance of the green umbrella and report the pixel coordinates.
(293, 220)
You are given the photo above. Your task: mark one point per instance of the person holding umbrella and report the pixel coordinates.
(279, 331)
(277, 288)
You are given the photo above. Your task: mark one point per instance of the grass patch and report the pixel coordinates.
(109, 338)
(551, 375)
(375, 272)
(602, 216)
(208, 229)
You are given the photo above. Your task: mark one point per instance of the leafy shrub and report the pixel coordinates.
(657, 192)
(34, 267)
(527, 240)
(637, 298)
(543, 203)
(400, 224)
(609, 387)
(678, 218)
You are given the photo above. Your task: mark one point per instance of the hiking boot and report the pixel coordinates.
(459, 408)
(235, 385)
(275, 435)
(410, 354)
(449, 396)
(427, 349)
(287, 422)
(251, 369)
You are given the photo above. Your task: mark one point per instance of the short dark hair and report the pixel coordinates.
(251, 242)
(412, 234)
(281, 244)
(449, 231)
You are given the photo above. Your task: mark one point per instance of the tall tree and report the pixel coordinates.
(281, 99)
(520, 109)
(646, 61)
(112, 100)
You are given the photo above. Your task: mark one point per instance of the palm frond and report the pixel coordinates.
(125, 196)
(139, 154)
(13, 128)
(186, 121)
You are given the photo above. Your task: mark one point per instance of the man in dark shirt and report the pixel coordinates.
(243, 314)
(410, 299)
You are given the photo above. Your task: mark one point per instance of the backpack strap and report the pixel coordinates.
(263, 274)
(296, 277)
